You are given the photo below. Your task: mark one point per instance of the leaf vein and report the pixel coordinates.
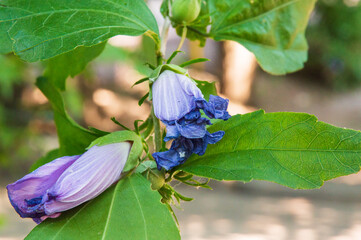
(141, 210)
(109, 213)
(257, 16)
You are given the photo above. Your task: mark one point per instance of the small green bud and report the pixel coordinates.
(185, 11)
(156, 178)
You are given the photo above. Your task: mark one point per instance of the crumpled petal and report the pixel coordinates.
(68, 182)
(192, 125)
(182, 148)
(169, 159)
(172, 130)
(216, 107)
(200, 145)
(173, 96)
(193, 129)
(180, 151)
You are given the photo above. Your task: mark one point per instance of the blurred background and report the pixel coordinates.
(329, 87)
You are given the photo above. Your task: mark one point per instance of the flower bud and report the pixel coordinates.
(156, 178)
(185, 11)
(68, 181)
(174, 96)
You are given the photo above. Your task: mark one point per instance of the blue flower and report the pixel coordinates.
(68, 181)
(177, 102)
(182, 148)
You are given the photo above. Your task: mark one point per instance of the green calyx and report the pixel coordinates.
(156, 178)
(185, 11)
(172, 67)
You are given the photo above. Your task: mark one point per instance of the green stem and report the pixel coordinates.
(184, 35)
(157, 132)
(164, 35)
(160, 57)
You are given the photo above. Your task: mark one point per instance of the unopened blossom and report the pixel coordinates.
(177, 102)
(68, 181)
(174, 96)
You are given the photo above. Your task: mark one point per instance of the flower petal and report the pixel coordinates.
(182, 148)
(167, 160)
(200, 145)
(193, 129)
(172, 130)
(192, 125)
(216, 107)
(89, 176)
(179, 152)
(173, 96)
(26, 194)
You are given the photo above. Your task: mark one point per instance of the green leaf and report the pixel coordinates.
(146, 53)
(122, 136)
(174, 54)
(164, 8)
(207, 88)
(146, 165)
(193, 61)
(73, 138)
(129, 210)
(147, 127)
(71, 64)
(172, 67)
(37, 30)
(119, 124)
(273, 30)
(141, 101)
(100, 133)
(140, 81)
(292, 149)
(12, 72)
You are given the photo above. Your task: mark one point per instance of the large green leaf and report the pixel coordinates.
(70, 64)
(272, 30)
(73, 138)
(292, 149)
(129, 210)
(37, 30)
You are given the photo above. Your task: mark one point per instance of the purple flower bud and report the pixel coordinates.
(68, 181)
(174, 96)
